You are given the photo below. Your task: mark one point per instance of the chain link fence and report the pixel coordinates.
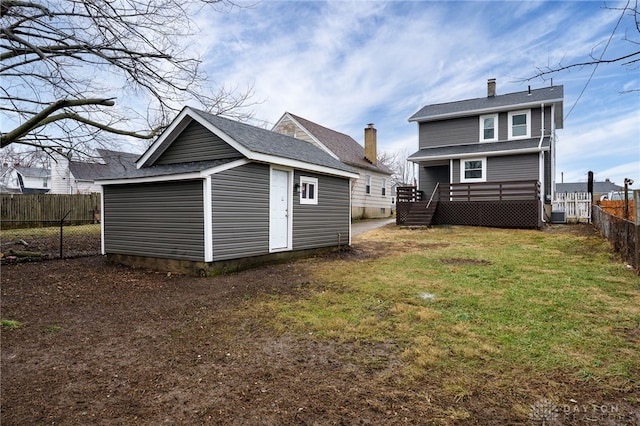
(48, 239)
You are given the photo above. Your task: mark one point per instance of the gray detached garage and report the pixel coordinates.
(212, 194)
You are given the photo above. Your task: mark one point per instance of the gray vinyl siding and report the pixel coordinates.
(466, 130)
(430, 176)
(319, 225)
(513, 167)
(547, 176)
(163, 220)
(536, 122)
(196, 143)
(506, 168)
(455, 173)
(457, 131)
(240, 212)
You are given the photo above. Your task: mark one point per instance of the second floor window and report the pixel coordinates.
(384, 187)
(520, 124)
(489, 128)
(367, 184)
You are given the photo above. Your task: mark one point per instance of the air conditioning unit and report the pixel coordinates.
(558, 217)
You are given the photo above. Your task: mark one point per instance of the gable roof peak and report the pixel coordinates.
(340, 145)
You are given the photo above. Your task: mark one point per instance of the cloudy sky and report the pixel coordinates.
(344, 64)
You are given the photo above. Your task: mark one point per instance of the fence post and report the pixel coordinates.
(61, 227)
(636, 228)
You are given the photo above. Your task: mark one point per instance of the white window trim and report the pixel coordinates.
(495, 127)
(483, 178)
(383, 188)
(510, 124)
(367, 183)
(314, 182)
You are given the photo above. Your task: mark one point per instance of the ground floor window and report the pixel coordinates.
(473, 170)
(308, 190)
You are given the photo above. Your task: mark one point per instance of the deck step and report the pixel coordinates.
(420, 215)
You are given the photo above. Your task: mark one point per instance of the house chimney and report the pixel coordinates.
(491, 87)
(370, 144)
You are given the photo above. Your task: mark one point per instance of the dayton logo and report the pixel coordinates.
(544, 411)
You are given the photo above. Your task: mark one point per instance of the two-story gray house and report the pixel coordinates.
(496, 154)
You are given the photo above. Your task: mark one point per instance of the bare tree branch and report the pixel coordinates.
(62, 64)
(628, 59)
(548, 70)
(41, 118)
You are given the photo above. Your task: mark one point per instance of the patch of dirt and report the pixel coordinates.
(105, 344)
(48, 247)
(579, 229)
(464, 261)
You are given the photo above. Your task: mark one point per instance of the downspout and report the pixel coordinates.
(541, 157)
(552, 142)
(352, 183)
(542, 127)
(102, 218)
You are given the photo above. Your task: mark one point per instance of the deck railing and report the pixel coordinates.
(508, 204)
(408, 194)
(490, 191)
(433, 194)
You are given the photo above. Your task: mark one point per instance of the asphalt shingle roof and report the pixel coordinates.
(35, 172)
(171, 169)
(344, 146)
(265, 141)
(116, 163)
(496, 103)
(478, 148)
(598, 187)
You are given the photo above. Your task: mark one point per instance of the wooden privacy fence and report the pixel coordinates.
(623, 234)
(617, 208)
(18, 210)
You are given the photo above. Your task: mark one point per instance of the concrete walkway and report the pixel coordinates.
(363, 226)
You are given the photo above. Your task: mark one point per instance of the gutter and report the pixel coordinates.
(479, 154)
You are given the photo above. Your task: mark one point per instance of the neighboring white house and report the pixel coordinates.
(78, 177)
(65, 176)
(19, 179)
(371, 195)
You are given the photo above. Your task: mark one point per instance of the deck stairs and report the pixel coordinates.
(421, 213)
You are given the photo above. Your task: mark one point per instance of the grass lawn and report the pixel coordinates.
(472, 310)
(92, 229)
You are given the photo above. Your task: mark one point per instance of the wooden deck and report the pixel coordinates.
(511, 204)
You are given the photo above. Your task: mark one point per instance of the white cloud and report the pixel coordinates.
(344, 64)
